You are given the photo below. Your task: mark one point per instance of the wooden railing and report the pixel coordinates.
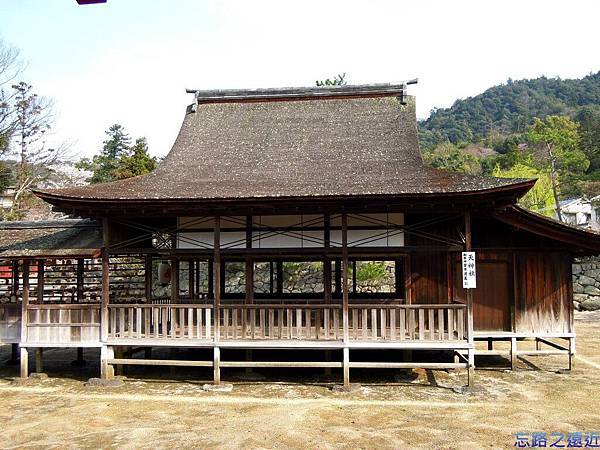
(63, 324)
(366, 322)
(278, 321)
(408, 322)
(10, 322)
(175, 321)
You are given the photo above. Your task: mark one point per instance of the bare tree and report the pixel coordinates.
(11, 67)
(35, 161)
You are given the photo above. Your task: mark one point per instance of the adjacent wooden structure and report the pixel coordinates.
(328, 182)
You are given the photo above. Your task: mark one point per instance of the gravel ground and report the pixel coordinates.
(165, 408)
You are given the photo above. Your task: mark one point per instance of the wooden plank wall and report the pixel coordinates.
(543, 292)
(493, 299)
(429, 280)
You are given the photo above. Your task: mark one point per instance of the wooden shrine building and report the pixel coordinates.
(292, 219)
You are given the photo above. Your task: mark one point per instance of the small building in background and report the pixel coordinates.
(582, 212)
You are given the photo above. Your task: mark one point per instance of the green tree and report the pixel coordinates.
(136, 162)
(589, 132)
(540, 198)
(448, 156)
(118, 159)
(563, 157)
(338, 80)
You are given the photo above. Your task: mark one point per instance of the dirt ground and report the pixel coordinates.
(162, 408)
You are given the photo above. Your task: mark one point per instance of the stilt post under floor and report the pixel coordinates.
(249, 357)
(346, 364)
(513, 353)
(24, 362)
(39, 364)
(217, 365)
(107, 370)
(571, 353)
(14, 353)
(471, 368)
(327, 359)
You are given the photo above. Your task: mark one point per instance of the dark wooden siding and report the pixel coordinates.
(544, 295)
(493, 298)
(429, 278)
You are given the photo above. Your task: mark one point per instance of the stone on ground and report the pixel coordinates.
(223, 387)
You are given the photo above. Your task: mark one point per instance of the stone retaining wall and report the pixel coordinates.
(586, 284)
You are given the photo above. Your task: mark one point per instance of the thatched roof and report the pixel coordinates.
(277, 144)
(52, 238)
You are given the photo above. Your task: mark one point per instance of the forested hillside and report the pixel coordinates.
(509, 108)
(544, 128)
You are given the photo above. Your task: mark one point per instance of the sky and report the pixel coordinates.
(129, 61)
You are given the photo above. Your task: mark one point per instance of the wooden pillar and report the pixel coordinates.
(24, 317)
(15, 277)
(217, 279)
(408, 279)
(345, 276)
(327, 260)
(105, 279)
(24, 362)
(191, 279)
(346, 350)
(211, 276)
(40, 281)
(571, 353)
(25, 301)
(79, 280)
(39, 367)
(471, 352)
(14, 353)
(513, 353)
(249, 275)
(346, 364)
(107, 370)
(80, 361)
(174, 280)
(217, 365)
(148, 277)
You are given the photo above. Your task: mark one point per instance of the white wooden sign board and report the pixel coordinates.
(469, 274)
